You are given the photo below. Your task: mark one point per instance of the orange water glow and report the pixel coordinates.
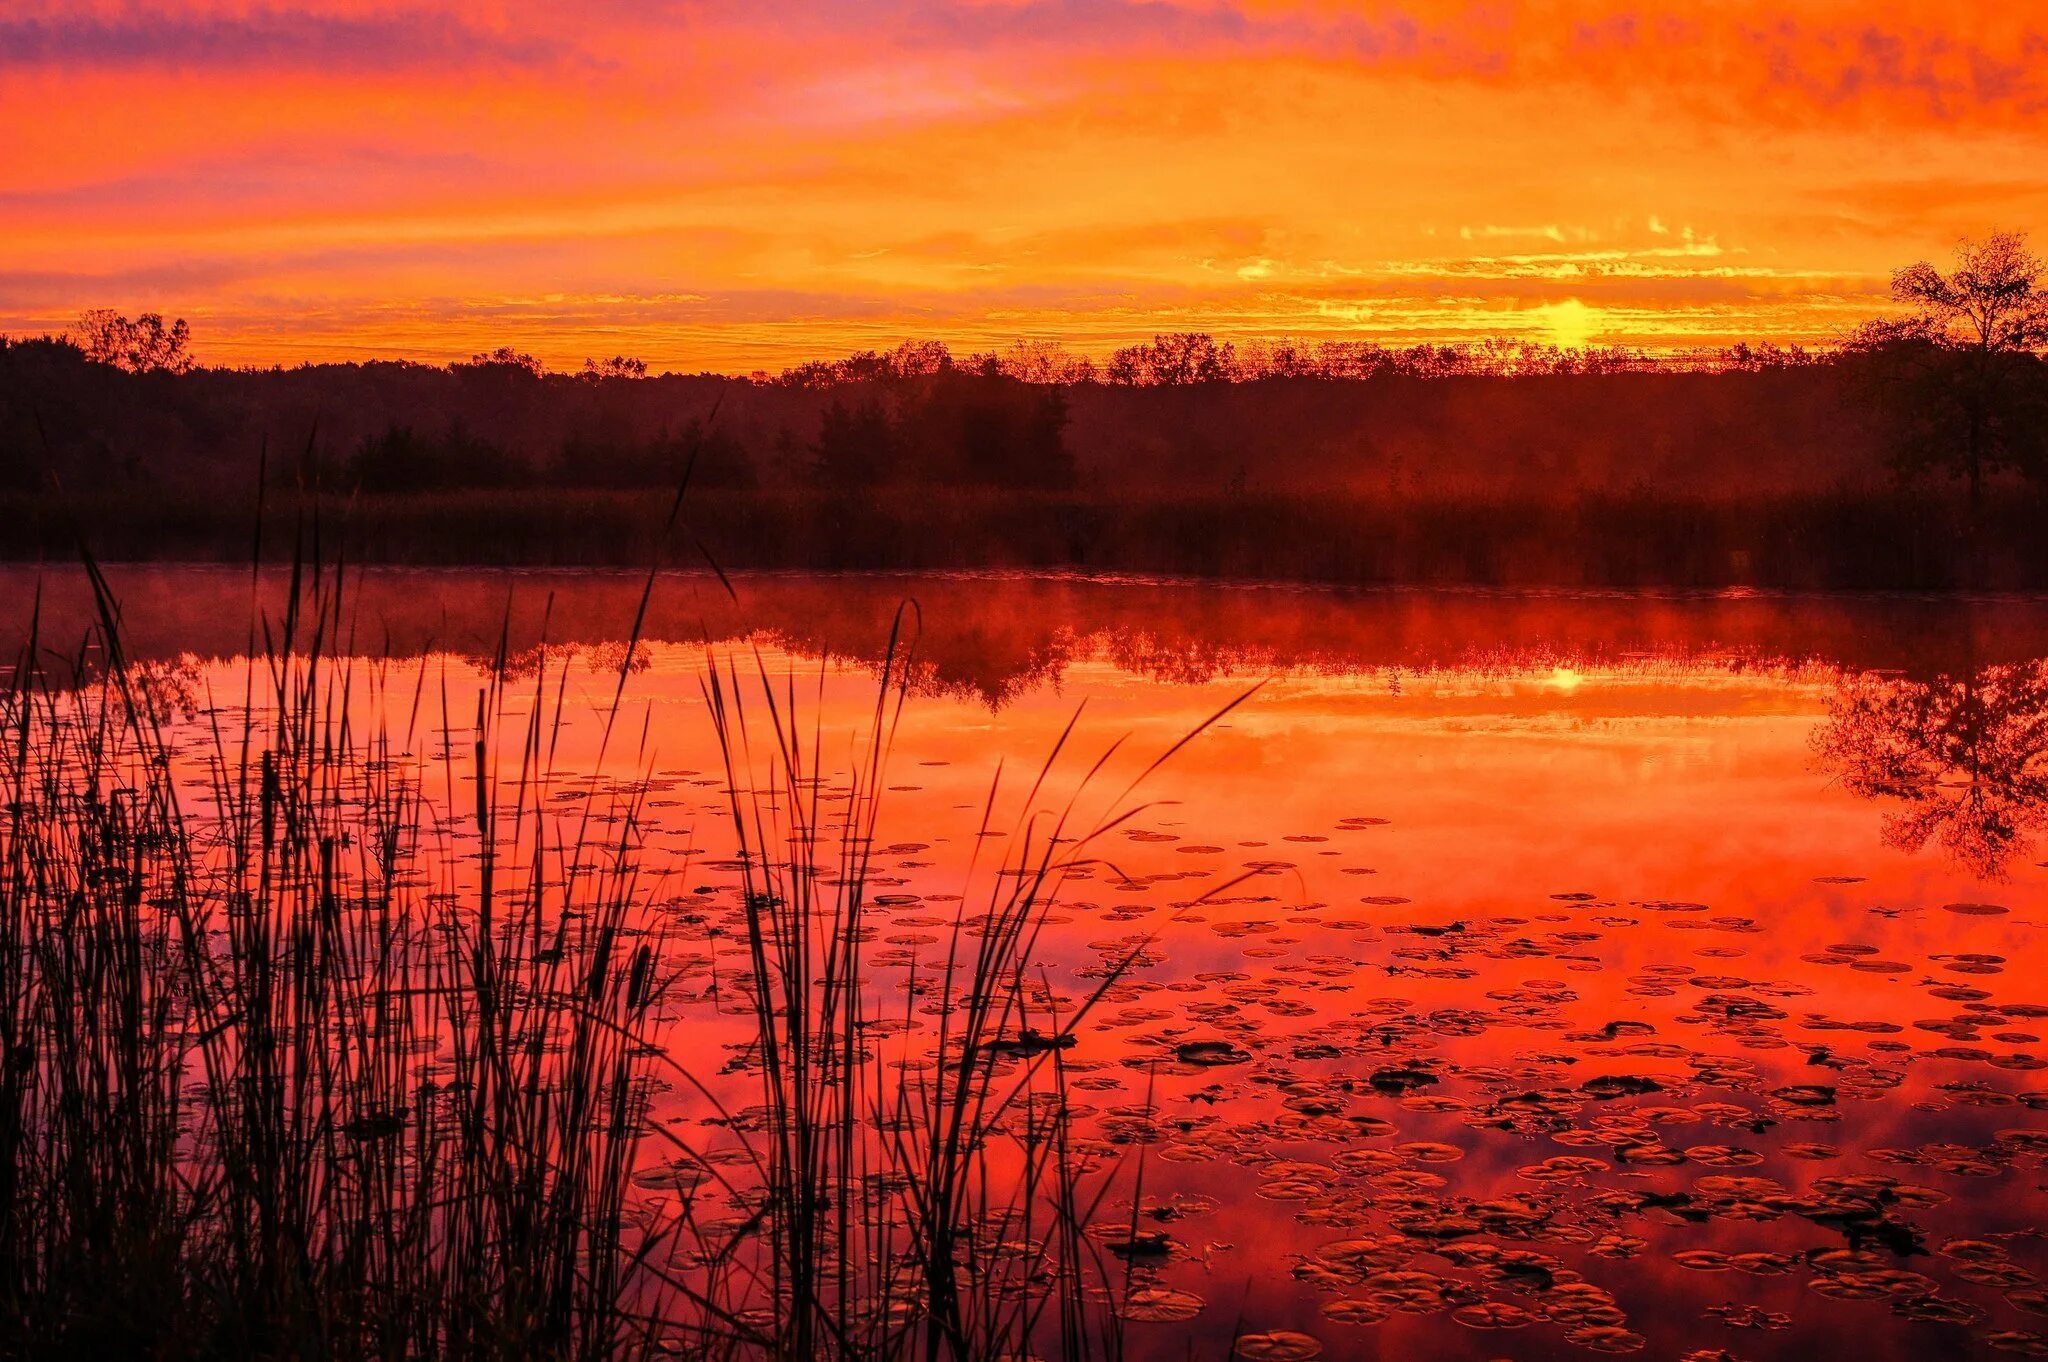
(1704, 1060)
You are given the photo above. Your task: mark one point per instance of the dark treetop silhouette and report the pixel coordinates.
(1958, 379)
(1496, 463)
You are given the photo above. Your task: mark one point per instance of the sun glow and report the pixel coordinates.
(1571, 323)
(749, 187)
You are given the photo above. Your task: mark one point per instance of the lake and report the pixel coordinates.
(1474, 974)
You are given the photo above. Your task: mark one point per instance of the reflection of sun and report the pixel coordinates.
(1571, 323)
(1566, 679)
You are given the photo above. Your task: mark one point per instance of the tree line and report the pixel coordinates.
(148, 344)
(1954, 386)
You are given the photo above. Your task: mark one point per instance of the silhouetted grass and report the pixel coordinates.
(925, 1201)
(335, 1053)
(271, 1090)
(1848, 540)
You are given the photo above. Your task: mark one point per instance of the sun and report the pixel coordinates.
(1571, 323)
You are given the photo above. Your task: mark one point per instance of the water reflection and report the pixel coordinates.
(1568, 1010)
(1936, 713)
(995, 638)
(1961, 762)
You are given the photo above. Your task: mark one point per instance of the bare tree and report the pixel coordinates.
(144, 345)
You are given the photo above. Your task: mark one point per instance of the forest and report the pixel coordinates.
(1908, 456)
(1508, 420)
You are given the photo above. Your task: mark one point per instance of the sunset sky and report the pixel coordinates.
(728, 185)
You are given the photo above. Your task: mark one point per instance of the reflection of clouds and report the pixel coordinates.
(1962, 763)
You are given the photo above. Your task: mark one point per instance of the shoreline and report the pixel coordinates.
(1851, 541)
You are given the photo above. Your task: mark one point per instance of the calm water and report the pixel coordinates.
(1520, 976)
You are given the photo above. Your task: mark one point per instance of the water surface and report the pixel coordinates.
(1517, 975)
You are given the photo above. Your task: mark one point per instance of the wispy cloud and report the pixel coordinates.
(742, 180)
(404, 40)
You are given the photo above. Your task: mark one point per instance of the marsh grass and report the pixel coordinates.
(271, 1090)
(921, 1184)
(316, 1047)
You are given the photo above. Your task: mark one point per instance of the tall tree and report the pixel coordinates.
(857, 445)
(1961, 383)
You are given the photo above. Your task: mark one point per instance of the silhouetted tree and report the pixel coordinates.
(715, 458)
(504, 358)
(910, 360)
(142, 346)
(1044, 362)
(618, 366)
(1019, 439)
(919, 359)
(1964, 760)
(1743, 357)
(1356, 360)
(401, 461)
(972, 429)
(1172, 359)
(29, 367)
(1961, 389)
(1351, 415)
(856, 445)
(392, 462)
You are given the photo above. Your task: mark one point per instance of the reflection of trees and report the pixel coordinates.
(1966, 759)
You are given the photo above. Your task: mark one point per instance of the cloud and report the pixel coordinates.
(815, 177)
(266, 38)
(1925, 55)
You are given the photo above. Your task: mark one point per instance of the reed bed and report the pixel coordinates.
(333, 1036)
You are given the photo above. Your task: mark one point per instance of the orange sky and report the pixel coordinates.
(691, 182)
